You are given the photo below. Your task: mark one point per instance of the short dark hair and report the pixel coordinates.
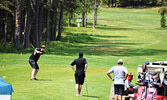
(120, 63)
(80, 54)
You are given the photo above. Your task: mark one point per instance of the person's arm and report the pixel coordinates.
(126, 75)
(86, 65)
(73, 68)
(35, 52)
(40, 52)
(108, 74)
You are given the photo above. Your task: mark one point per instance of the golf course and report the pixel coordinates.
(134, 35)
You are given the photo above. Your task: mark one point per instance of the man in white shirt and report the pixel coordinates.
(120, 75)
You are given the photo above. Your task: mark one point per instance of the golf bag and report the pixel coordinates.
(141, 94)
(165, 87)
(140, 77)
(151, 93)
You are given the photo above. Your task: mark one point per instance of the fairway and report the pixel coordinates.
(133, 35)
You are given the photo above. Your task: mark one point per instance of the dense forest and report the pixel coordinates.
(26, 22)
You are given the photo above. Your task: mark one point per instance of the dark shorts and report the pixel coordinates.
(33, 64)
(118, 89)
(79, 77)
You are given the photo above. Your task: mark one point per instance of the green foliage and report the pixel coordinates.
(123, 3)
(162, 11)
(72, 6)
(105, 1)
(136, 3)
(5, 5)
(77, 38)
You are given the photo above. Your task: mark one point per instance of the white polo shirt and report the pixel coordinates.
(119, 74)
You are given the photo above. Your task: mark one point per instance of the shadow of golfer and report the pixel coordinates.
(44, 80)
(90, 96)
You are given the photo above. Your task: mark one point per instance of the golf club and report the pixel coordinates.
(86, 87)
(32, 46)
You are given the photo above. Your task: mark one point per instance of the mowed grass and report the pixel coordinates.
(133, 35)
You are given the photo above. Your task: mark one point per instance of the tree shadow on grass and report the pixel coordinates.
(105, 27)
(92, 44)
(114, 49)
(91, 96)
(44, 80)
(108, 36)
(140, 52)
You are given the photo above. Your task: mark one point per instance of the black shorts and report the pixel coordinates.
(118, 89)
(79, 77)
(33, 64)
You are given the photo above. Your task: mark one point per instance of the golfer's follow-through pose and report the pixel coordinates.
(120, 75)
(33, 61)
(81, 67)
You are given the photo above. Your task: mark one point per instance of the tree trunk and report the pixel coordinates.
(94, 15)
(137, 2)
(83, 14)
(40, 21)
(5, 28)
(48, 23)
(1, 28)
(109, 3)
(60, 20)
(69, 20)
(21, 26)
(86, 15)
(18, 25)
(54, 25)
(112, 2)
(32, 33)
(27, 26)
(36, 24)
(14, 22)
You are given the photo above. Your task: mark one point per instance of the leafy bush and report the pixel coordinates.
(77, 38)
(162, 11)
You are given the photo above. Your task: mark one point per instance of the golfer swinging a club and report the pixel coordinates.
(120, 75)
(81, 67)
(33, 61)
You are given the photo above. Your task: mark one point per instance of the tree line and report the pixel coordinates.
(134, 3)
(26, 22)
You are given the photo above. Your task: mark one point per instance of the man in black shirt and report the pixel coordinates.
(33, 60)
(81, 67)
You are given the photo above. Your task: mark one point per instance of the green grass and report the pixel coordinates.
(131, 34)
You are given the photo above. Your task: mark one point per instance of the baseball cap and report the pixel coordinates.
(120, 61)
(147, 63)
(43, 46)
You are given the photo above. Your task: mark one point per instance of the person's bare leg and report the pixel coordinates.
(33, 73)
(80, 87)
(77, 89)
(36, 71)
(120, 97)
(116, 97)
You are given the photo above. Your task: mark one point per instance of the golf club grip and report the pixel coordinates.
(86, 88)
(32, 46)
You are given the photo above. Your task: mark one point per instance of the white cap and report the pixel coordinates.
(120, 61)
